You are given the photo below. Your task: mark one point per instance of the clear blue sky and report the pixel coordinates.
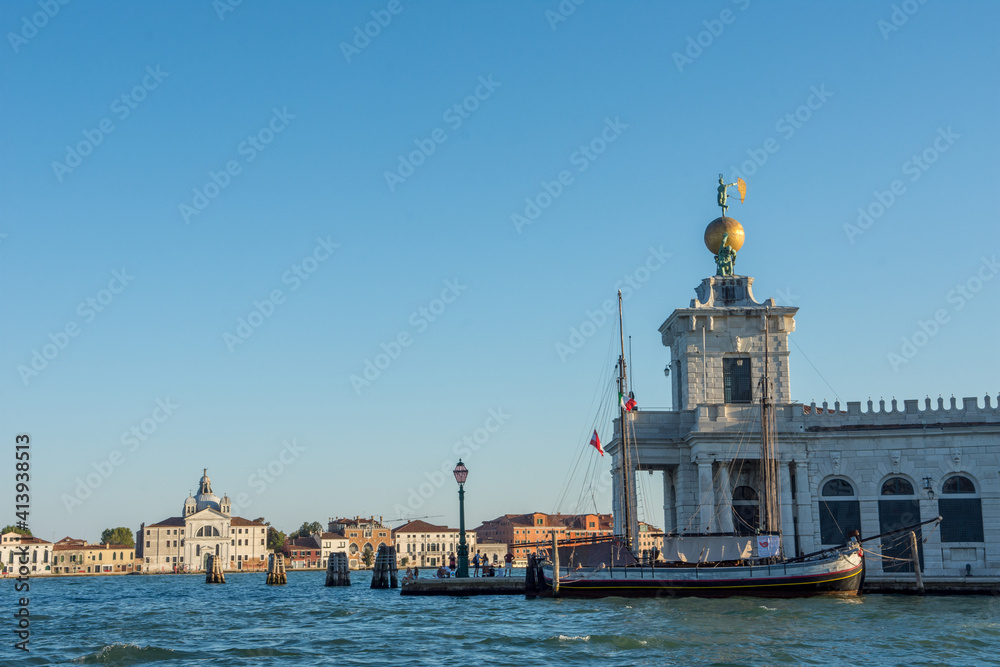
(309, 128)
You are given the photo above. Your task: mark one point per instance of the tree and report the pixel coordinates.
(307, 529)
(120, 535)
(275, 539)
(368, 557)
(404, 560)
(15, 529)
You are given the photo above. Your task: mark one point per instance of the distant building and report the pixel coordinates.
(39, 553)
(650, 537)
(362, 535)
(302, 552)
(330, 543)
(522, 532)
(75, 556)
(423, 544)
(492, 551)
(184, 543)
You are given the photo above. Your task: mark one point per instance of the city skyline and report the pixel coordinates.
(257, 239)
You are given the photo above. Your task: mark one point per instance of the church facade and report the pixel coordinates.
(872, 468)
(184, 543)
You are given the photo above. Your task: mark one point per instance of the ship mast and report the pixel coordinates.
(770, 516)
(628, 476)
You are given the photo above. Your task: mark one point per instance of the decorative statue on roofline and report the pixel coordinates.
(725, 261)
(725, 236)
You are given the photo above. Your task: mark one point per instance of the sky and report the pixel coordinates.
(324, 249)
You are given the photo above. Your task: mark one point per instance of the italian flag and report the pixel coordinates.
(596, 442)
(627, 405)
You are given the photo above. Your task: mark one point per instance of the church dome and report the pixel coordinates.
(205, 498)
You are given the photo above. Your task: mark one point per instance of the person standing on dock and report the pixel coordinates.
(509, 560)
(475, 565)
(452, 564)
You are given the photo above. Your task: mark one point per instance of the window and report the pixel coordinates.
(736, 379)
(839, 511)
(961, 510)
(897, 486)
(898, 508)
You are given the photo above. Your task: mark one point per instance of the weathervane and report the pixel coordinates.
(724, 194)
(725, 236)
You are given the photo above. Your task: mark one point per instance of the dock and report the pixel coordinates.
(462, 587)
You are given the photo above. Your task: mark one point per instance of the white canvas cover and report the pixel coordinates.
(706, 549)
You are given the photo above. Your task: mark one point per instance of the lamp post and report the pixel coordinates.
(461, 474)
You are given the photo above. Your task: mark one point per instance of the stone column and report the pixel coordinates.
(803, 499)
(669, 501)
(706, 496)
(684, 487)
(725, 502)
(787, 520)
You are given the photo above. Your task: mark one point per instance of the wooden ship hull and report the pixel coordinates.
(841, 573)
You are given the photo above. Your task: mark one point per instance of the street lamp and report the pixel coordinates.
(461, 474)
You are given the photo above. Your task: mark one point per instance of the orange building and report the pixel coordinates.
(519, 530)
(362, 535)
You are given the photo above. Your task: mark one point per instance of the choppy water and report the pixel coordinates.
(179, 620)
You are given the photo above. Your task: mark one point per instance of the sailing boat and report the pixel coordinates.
(762, 571)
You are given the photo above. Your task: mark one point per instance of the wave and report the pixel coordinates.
(128, 654)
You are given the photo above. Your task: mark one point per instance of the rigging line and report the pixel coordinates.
(592, 473)
(806, 357)
(602, 380)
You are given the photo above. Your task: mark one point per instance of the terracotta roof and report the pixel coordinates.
(333, 536)
(304, 542)
(174, 521)
(577, 521)
(419, 526)
(240, 521)
(28, 539)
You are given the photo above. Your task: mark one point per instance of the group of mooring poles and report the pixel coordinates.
(338, 571)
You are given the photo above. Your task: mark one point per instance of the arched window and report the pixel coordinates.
(839, 511)
(354, 548)
(208, 531)
(898, 508)
(897, 486)
(746, 511)
(961, 510)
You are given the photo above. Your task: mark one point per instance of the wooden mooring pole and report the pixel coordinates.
(384, 573)
(555, 565)
(214, 573)
(915, 552)
(338, 571)
(276, 575)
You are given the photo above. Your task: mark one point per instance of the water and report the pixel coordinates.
(179, 620)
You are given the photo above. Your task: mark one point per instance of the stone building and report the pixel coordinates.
(425, 545)
(362, 535)
(871, 467)
(75, 556)
(206, 527)
(523, 532)
(13, 545)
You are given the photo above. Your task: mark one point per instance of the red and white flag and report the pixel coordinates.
(596, 442)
